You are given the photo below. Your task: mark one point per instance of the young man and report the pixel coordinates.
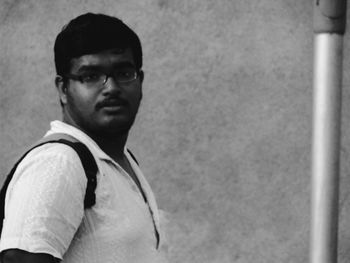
(99, 79)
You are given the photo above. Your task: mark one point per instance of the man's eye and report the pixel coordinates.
(91, 77)
(126, 73)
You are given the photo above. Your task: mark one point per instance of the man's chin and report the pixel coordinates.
(113, 129)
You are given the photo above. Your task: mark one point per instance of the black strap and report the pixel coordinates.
(145, 198)
(90, 168)
(133, 157)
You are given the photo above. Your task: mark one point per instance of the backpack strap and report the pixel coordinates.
(133, 156)
(145, 198)
(86, 158)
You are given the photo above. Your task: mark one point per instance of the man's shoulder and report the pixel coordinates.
(49, 166)
(55, 150)
(51, 158)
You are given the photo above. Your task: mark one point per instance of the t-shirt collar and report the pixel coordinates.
(62, 127)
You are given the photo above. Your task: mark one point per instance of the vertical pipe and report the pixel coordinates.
(329, 28)
(325, 149)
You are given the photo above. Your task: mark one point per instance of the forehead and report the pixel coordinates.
(105, 58)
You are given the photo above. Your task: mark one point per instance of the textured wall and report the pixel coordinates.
(224, 130)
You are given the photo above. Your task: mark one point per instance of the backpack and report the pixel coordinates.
(86, 158)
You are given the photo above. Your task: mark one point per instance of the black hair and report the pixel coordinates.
(91, 33)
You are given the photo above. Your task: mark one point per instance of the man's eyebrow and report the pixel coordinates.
(123, 64)
(90, 68)
(120, 64)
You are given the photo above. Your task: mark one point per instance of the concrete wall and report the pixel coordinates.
(224, 130)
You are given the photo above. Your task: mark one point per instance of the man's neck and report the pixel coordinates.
(112, 146)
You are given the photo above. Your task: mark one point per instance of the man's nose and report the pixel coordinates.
(111, 85)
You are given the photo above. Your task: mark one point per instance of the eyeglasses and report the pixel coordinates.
(97, 78)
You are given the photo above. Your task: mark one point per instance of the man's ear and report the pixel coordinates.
(141, 76)
(61, 86)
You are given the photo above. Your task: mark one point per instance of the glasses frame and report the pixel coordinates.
(106, 77)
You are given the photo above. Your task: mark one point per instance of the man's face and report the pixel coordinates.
(107, 109)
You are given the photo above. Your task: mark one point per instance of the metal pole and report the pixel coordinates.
(329, 28)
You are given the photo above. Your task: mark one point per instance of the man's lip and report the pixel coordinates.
(112, 104)
(112, 108)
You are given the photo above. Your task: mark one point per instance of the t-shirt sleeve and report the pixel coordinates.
(45, 201)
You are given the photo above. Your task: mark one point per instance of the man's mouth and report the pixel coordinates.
(111, 104)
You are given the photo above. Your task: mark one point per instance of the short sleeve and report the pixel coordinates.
(45, 201)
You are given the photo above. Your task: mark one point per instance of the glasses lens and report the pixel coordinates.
(93, 79)
(125, 74)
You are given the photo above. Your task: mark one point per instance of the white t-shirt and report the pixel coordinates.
(44, 208)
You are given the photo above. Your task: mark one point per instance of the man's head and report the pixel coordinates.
(92, 33)
(99, 78)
